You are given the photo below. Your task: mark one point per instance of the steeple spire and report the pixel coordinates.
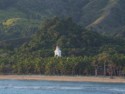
(57, 52)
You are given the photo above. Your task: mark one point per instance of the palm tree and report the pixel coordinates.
(104, 58)
(95, 64)
(112, 67)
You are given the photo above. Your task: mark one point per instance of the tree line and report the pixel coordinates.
(106, 64)
(83, 52)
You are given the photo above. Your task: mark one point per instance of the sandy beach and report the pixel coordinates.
(63, 78)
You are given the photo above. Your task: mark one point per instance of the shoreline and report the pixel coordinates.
(64, 78)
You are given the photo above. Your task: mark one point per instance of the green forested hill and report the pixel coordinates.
(83, 52)
(71, 37)
(17, 17)
(90, 34)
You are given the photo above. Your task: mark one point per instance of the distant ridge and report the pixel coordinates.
(98, 15)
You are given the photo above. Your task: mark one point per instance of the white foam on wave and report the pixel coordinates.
(118, 90)
(71, 88)
(84, 88)
(43, 87)
(26, 87)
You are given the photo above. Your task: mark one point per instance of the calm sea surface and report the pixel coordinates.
(51, 87)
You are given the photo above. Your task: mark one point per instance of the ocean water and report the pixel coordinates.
(53, 87)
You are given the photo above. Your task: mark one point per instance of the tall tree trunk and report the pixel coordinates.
(104, 69)
(96, 71)
(111, 75)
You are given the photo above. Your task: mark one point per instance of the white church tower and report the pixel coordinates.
(57, 52)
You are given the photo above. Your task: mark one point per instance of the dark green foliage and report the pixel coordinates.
(93, 15)
(84, 52)
(83, 65)
(28, 38)
(72, 39)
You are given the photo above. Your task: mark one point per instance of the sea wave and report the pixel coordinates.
(42, 87)
(64, 88)
(68, 87)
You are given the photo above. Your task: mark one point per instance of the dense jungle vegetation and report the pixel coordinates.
(84, 52)
(90, 34)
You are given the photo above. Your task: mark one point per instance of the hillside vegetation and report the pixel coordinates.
(98, 15)
(83, 52)
(90, 34)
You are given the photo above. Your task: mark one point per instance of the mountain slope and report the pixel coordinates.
(102, 15)
(98, 15)
(70, 37)
(111, 18)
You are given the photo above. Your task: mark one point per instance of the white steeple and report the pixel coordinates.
(57, 52)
